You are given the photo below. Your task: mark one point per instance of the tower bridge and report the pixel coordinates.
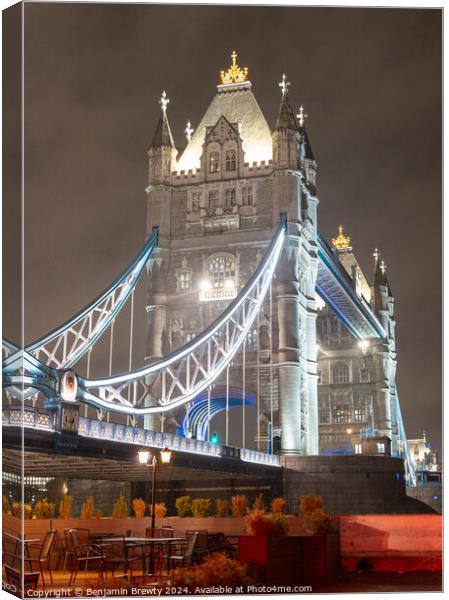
(247, 306)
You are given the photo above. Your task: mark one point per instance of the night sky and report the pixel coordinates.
(370, 79)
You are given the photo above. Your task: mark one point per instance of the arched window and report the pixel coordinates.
(184, 281)
(213, 200)
(214, 162)
(222, 272)
(229, 198)
(340, 373)
(247, 196)
(231, 161)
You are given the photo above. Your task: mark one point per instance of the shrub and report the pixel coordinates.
(216, 570)
(6, 505)
(280, 523)
(258, 503)
(278, 505)
(44, 509)
(316, 520)
(309, 503)
(65, 507)
(138, 507)
(222, 507)
(260, 522)
(88, 509)
(238, 505)
(17, 510)
(120, 510)
(183, 506)
(200, 507)
(160, 510)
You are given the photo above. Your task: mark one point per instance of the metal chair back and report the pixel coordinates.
(47, 544)
(191, 546)
(157, 532)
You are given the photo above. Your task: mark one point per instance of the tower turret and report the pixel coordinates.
(162, 151)
(382, 296)
(285, 135)
(307, 158)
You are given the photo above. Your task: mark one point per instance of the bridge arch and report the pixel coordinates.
(198, 415)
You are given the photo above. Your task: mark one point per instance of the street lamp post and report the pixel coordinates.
(144, 455)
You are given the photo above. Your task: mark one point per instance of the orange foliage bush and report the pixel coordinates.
(238, 505)
(217, 569)
(278, 505)
(316, 520)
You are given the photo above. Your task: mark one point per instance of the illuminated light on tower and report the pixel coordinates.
(363, 345)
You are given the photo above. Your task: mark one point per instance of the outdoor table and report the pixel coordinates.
(142, 542)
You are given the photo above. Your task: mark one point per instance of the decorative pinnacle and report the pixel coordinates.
(383, 267)
(376, 254)
(341, 242)
(164, 101)
(234, 74)
(188, 131)
(301, 116)
(284, 84)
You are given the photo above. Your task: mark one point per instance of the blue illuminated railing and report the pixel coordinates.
(32, 418)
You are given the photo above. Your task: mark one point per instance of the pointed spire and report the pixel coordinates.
(188, 131)
(163, 135)
(286, 118)
(301, 116)
(380, 277)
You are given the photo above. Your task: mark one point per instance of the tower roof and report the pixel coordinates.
(308, 153)
(286, 118)
(380, 273)
(163, 135)
(236, 102)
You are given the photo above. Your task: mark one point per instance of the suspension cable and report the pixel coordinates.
(244, 395)
(87, 375)
(111, 344)
(258, 381)
(271, 369)
(227, 405)
(208, 414)
(131, 337)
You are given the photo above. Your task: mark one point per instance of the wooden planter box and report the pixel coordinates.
(293, 560)
(321, 559)
(280, 558)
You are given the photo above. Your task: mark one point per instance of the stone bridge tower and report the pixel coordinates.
(217, 203)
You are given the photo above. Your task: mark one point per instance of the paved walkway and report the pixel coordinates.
(423, 581)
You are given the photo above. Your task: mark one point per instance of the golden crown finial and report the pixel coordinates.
(234, 74)
(341, 242)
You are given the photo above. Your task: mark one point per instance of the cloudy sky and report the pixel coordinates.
(370, 79)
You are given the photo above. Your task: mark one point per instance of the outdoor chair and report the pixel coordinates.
(114, 555)
(69, 550)
(158, 532)
(167, 531)
(43, 559)
(202, 543)
(14, 578)
(83, 553)
(183, 552)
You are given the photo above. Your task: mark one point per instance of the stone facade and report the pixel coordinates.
(217, 210)
(357, 394)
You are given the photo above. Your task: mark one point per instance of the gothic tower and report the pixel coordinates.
(217, 205)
